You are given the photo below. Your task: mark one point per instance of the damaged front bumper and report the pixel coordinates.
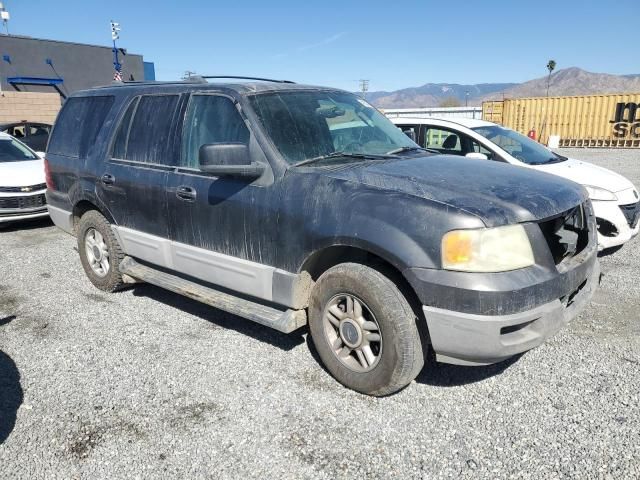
(468, 339)
(479, 319)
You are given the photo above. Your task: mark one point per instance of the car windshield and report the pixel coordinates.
(518, 146)
(321, 125)
(13, 151)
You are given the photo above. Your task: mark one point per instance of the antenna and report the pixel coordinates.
(364, 88)
(4, 15)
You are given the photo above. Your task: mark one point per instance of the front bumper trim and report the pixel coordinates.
(469, 339)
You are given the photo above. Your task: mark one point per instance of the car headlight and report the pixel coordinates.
(497, 249)
(597, 193)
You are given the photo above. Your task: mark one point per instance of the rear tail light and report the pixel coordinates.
(47, 175)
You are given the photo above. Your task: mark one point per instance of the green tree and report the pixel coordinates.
(450, 102)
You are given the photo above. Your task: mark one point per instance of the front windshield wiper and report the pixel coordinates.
(373, 156)
(410, 149)
(555, 159)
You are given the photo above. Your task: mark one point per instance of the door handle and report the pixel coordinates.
(108, 179)
(186, 193)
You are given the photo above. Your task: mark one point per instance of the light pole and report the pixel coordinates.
(4, 15)
(115, 35)
(466, 98)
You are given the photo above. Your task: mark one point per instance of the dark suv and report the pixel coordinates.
(287, 204)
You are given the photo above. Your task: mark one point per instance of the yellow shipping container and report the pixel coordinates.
(611, 120)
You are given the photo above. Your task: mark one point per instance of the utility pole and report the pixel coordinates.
(4, 15)
(188, 74)
(364, 88)
(115, 35)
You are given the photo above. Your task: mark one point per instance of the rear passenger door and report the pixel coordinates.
(133, 182)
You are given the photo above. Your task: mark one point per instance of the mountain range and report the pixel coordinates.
(568, 81)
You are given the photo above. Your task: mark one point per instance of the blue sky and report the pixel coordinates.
(394, 44)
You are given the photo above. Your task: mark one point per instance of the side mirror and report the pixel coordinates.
(477, 156)
(40, 154)
(228, 160)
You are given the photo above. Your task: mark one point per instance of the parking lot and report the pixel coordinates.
(145, 383)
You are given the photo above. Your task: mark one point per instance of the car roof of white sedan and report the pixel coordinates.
(465, 122)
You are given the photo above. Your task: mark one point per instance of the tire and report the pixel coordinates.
(95, 226)
(391, 363)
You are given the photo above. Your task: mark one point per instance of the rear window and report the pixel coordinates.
(144, 131)
(78, 125)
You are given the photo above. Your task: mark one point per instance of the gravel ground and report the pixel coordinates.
(147, 384)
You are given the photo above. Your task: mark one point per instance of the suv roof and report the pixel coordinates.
(253, 86)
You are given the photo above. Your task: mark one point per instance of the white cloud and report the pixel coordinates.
(323, 42)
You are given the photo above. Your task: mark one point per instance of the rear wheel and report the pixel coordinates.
(364, 330)
(100, 252)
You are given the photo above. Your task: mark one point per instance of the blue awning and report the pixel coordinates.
(34, 81)
(53, 82)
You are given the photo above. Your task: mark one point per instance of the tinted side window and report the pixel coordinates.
(120, 144)
(78, 125)
(210, 119)
(149, 133)
(38, 130)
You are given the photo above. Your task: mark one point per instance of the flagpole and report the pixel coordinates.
(115, 28)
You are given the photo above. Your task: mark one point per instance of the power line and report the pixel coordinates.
(364, 87)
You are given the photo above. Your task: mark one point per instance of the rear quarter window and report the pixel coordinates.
(78, 125)
(144, 132)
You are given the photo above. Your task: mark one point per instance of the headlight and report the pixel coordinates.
(487, 249)
(597, 193)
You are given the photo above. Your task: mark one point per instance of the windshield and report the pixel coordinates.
(518, 146)
(311, 124)
(13, 151)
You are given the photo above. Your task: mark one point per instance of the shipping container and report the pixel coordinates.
(611, 120)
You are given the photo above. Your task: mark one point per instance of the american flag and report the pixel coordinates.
(117, 76)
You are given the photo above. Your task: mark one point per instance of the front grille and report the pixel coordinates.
(567, 234)
(631, 213)
(25, 189)
(18, 203)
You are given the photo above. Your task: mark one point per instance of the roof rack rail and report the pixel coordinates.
(235, 77)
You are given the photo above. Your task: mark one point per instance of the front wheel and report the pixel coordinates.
(364, 330)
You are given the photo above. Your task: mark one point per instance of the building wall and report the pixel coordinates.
(80, 66)
(611, 120)
(32, 106)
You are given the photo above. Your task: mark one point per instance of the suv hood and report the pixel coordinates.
(497, 193)
(21, 174)
(586, 173)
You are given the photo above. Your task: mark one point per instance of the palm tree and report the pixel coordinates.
(551, 66)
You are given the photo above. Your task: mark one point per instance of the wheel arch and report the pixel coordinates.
(83, 205)
(323, 259)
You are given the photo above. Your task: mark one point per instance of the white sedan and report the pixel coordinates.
(615, 199)
(22, 181)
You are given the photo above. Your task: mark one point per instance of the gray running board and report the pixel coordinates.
(285, 321)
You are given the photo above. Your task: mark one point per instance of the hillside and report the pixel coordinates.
(569, 81)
